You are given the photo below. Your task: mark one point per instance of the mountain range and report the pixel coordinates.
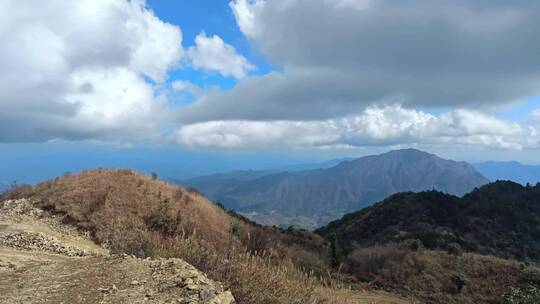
(312, 198)
(312, 166)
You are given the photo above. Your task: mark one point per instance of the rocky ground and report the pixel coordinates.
(45, 261)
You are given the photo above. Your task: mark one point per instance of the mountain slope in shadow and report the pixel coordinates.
(500, 219)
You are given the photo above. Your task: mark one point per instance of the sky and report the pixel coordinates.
(193, 87)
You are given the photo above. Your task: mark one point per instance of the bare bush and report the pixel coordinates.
(378, 262)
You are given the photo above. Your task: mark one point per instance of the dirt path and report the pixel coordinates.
(44, 261)
(364, 297)
(31, 277)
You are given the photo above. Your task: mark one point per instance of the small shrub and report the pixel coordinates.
(163, 220)
(220, 205)
(454, 249)
(383, 262)
(459, 282)
(194, 190)
(529, 276)
(17, 191)
(308, 260)
(412, 244)
(335, 254)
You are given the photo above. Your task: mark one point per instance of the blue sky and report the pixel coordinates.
(216, 18)
(521, 111)
(193, 87)
(213, 18)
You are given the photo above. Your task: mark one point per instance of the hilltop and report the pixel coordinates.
(500, 219)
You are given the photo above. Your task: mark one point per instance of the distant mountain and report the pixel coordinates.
(514, 171)
(501, 218)
(312, 166)
(314, 197)
(3, 187)
(214, 185)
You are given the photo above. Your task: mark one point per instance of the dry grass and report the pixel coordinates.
(105, 201)
(263, 278)
(487, 278)
(136, 214)
(427, 275)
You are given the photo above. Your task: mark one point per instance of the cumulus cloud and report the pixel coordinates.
(375, 126)
(213, 54)
(95, 69)
(397, 125)
(75, 69)
(244, 11)
(339, 57)
(256, 134)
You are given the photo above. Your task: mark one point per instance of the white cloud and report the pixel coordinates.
(376, 126)
(119, 99)
(213, 54)
(74, 69)
(244, 11)
(256, 134)
(357, 4)
(161, 48)
(396, 125)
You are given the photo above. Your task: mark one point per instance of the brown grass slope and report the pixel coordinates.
(107, 201)
(134, 213)
(433, 276)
